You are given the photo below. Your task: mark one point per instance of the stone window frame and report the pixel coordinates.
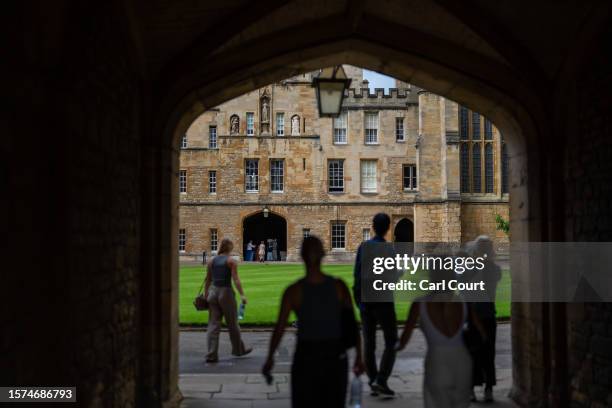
(183, 181)
(413, 177)
(250, 123)
(282, 176)
(338, 175)
(338, 235)
(255, 176)
(363, 179)
(280, 125)
(371, 134)
(213, 140)
(366, 234)
(212, 182)
(182, 239)
(214, 240)
(338, 130)
(400, 131)
(477, 154)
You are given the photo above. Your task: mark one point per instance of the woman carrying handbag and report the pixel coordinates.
(219, 294)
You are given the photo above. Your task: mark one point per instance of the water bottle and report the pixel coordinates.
(356, 389)
(241, 311)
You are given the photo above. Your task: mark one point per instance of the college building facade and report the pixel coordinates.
(266, 166)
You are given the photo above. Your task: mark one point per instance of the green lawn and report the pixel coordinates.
(264, 284)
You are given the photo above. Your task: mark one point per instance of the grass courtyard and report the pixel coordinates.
(264, 284)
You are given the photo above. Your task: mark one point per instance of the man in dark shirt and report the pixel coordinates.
(373, 314)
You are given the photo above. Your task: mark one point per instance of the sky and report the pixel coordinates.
(378, 80)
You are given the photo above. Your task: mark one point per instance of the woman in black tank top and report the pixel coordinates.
(319, 373)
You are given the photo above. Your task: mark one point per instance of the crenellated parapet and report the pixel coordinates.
(362, 97)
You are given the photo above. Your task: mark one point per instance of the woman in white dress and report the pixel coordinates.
(448, 364)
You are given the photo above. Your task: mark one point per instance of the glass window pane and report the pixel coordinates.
(277, 175)
(465, 168)
(182, 241)
(368, 176)
(280, 124)
(340, 124)
(371, 127)
(338, 238)
(476, 169)
(183, 181)
(212, 137)
(475, 125)
(250, 123)
(399, 129)
(335, 176)
(214, 240)
(252, 175)
(409, 177)
(488, 129)
(489, 185)
(463, 123)
(212, 181)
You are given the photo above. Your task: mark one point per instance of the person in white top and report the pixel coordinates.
(448, 363)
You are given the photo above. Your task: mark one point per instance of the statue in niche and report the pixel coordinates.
(265, 110)
(234, 125)
(295, 125)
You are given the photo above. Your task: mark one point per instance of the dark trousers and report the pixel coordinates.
(319, 375)
(372, 315)
(484, 357)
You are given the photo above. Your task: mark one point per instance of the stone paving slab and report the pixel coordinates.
(236, 382)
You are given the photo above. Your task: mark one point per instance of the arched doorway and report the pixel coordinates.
(264, 226)
(404, 231)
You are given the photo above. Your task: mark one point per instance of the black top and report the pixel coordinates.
(319, 315)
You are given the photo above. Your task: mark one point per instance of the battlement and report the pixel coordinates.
(379, 96)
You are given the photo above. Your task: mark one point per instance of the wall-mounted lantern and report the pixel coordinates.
(266, 212)
(330, 84)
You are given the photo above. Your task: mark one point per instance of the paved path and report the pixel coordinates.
(236, 382)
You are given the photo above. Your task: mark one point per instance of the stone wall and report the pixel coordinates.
(479, 218)
(75, 117)
(588, 181)
(431, 143)
(228, 219)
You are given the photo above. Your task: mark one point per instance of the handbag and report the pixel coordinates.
(200, 302)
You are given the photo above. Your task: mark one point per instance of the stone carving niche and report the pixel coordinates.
(295, 125)
(265, 112)
(234, 124)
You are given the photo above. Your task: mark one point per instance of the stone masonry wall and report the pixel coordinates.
(588, 198)
(75, 120)
(227, 219)
(479, 219)
(431, 143)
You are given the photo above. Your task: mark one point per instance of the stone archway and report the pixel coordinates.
(103, 68)
(261, 227)
(404, 231)
(507, 115)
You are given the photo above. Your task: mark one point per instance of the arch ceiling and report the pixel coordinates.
(479, 53)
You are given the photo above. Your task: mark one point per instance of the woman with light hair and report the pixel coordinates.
(221, 270)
